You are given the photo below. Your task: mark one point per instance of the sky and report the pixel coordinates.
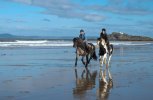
(67, 17)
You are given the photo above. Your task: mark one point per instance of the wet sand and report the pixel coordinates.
(48, 73)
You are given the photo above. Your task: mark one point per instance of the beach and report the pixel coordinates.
(43, 70)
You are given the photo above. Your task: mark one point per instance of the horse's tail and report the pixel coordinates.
(94, 56)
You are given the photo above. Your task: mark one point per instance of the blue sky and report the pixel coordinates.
(67, 17)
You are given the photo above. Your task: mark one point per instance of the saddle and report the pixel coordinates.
(85, 46)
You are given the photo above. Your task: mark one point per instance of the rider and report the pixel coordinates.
(103, 35)
(83, 37)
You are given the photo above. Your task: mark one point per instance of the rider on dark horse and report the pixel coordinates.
(83, 37)
(103, 35)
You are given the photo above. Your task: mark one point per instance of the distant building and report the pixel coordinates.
(121, 32)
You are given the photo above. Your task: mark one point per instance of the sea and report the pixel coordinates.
(60, 43)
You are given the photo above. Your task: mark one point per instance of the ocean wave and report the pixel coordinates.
(57, 43)
(130, 43)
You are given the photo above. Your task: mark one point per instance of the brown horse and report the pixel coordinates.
(79, 44)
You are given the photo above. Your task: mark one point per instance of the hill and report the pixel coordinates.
(116, 36)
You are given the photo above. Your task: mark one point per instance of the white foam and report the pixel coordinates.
(57, 43)
(130, 43)
(38, 43)
(29, 42)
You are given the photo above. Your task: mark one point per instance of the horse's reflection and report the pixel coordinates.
(86, 82)
(104, 89)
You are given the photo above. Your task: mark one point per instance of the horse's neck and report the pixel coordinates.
(103, 43)
(80, 43)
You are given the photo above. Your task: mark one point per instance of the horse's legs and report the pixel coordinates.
(102, 59)
(76, 59)
(105, 58)
(89, 59)
(91, 55)
(109, 59)
(86, 61)
(76, 74)
(83, 60)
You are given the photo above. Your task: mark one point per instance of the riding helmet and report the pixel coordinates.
(81, 30)
(103, 29)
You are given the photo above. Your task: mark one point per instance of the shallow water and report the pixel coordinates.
(46, 73)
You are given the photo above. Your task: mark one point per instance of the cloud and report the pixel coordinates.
(146, 24)
(8, 20)
(46, 20)
(64, 8)
(69, 9)
(127, 7)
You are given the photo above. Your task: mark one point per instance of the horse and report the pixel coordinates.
(79, 44)
(103, 51)
(104, 54)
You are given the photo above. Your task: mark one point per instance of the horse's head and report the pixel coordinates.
(77, 41)
(101, 41)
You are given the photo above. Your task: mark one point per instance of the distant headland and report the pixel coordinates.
(118, 36)
(115, 36)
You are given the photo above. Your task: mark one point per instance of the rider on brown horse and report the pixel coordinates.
(83, 37)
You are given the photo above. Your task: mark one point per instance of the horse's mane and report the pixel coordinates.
(77, 39)
(101, 39)
(79, 42)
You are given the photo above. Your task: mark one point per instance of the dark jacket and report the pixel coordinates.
(104, 36)
(82, 36)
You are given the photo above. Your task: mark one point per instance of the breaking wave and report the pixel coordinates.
(56, 43)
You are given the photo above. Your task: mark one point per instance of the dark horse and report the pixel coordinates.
(81, 51)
